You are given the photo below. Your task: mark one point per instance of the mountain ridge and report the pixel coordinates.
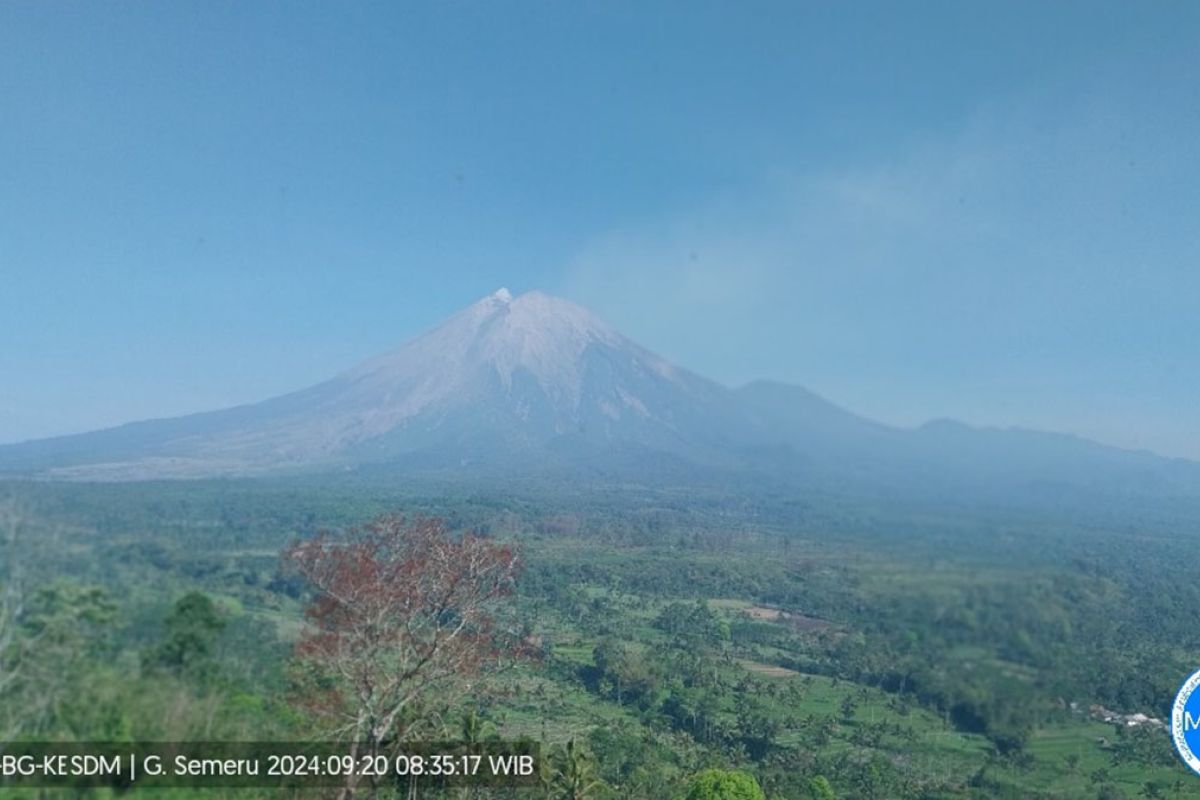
(535, 382)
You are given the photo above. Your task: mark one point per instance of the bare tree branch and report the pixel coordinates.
(405, 614)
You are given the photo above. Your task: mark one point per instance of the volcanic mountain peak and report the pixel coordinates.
(534, 382)
(534, 335)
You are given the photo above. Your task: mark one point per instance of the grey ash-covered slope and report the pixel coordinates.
(537, 385)
(501, 382)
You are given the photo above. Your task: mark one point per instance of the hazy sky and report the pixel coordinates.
(988, 211)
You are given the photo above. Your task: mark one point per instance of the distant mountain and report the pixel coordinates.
(504, 382)
(536, 385)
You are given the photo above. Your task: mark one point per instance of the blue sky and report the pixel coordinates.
(988, 211)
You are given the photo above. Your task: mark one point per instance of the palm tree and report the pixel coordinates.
(576, 778)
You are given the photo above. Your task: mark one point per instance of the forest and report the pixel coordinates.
(659, 644)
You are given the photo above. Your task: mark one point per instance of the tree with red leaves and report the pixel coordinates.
(405, 616)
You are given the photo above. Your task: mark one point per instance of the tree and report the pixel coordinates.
(11, 606)
(848, 708)
(62, 635)
(719, 784)
(818, 788)
(48, 634)
(402, 611)
(756, 726)
(573, 775)
(191, 635)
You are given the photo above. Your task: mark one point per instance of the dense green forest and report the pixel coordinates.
(680, 645)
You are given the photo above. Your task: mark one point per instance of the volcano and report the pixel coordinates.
(504, 381)
(536, 385)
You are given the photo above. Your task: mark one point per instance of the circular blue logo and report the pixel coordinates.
(1185, 722)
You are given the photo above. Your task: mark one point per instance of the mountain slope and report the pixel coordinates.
(536, 385)
(499, 381)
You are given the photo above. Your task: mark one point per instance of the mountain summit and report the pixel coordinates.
(503, 380)
(536, 385)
